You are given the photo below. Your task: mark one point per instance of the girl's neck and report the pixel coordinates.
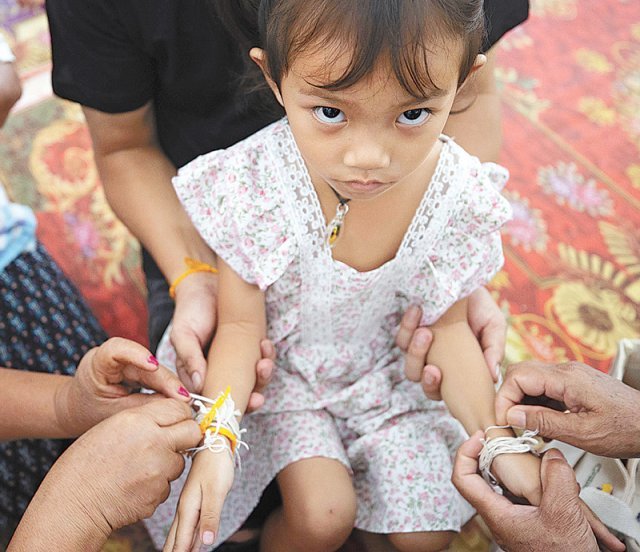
(374, 229)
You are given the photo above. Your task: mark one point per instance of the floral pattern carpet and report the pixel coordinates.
(570, 80)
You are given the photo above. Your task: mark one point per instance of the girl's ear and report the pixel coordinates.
(480, 61)
(259, 58)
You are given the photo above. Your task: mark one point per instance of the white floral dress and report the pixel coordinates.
(339, 390)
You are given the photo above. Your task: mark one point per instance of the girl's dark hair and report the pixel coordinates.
(401, 30)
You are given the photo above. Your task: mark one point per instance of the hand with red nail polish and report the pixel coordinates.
(104, 382)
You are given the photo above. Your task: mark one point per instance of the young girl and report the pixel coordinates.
(328, 225)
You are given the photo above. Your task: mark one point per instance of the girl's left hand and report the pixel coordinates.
(102, 384)
(520, 474)
(198, 515)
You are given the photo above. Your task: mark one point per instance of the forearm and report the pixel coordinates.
(232, 360)
(467, 387)
(136, 175)
(137, 184)
(476, 120)
(28, 402)
(60, 523)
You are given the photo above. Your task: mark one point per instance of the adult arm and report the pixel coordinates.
(39, 405)
(599, 413)
(112, 476)
(136, 176)
(560, 522)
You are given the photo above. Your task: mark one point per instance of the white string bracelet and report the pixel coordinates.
(218, 421)
(491, 448)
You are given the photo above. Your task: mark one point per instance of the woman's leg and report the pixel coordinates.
(318, 511)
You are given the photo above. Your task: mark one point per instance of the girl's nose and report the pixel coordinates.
(367, 154)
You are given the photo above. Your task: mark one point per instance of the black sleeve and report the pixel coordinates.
(95, 61)
(501, 16)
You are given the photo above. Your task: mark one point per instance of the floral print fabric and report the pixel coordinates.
(339, 390)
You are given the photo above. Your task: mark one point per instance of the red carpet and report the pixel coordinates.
(571, 97)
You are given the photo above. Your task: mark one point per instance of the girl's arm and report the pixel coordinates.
(468, 390)
(236, 346)
(467, 386)
(231, 362)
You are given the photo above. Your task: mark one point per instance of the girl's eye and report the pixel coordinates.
(414, 117)
(329, 115)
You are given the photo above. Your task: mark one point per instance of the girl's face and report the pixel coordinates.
(365, 139)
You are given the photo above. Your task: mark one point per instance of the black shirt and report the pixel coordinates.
(117, 55)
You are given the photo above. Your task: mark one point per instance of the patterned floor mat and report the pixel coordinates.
(570, 79)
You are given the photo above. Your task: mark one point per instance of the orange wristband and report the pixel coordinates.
(193, 266)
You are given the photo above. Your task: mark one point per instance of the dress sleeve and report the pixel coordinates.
(471, 252)
(232, 198)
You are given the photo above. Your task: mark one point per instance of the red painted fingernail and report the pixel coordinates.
(153, 360)
(183, 392)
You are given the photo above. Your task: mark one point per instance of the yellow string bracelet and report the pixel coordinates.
(207, 421)
(193, 266)
(218, 422)
(233, 441)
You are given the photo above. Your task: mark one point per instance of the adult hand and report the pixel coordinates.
(193, 326)
(487, 323)
(101, 385)
(114, 475)
(561, 522)
(598, 413)
(264, 373)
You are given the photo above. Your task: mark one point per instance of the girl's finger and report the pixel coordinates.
(171, 537)
(210, 516)
(188, 513)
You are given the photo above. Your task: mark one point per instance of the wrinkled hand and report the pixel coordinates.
(198, 515)
(101, 385)
(118, 472)
(193, 327)
(485, 319)
(602, 411)
(560, 523)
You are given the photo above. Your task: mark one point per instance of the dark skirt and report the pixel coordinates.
(45, 326)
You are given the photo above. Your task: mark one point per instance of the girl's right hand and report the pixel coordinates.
(198, 515)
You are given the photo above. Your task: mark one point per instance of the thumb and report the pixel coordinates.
(558, 479)
(189, 351)
(549, 423)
